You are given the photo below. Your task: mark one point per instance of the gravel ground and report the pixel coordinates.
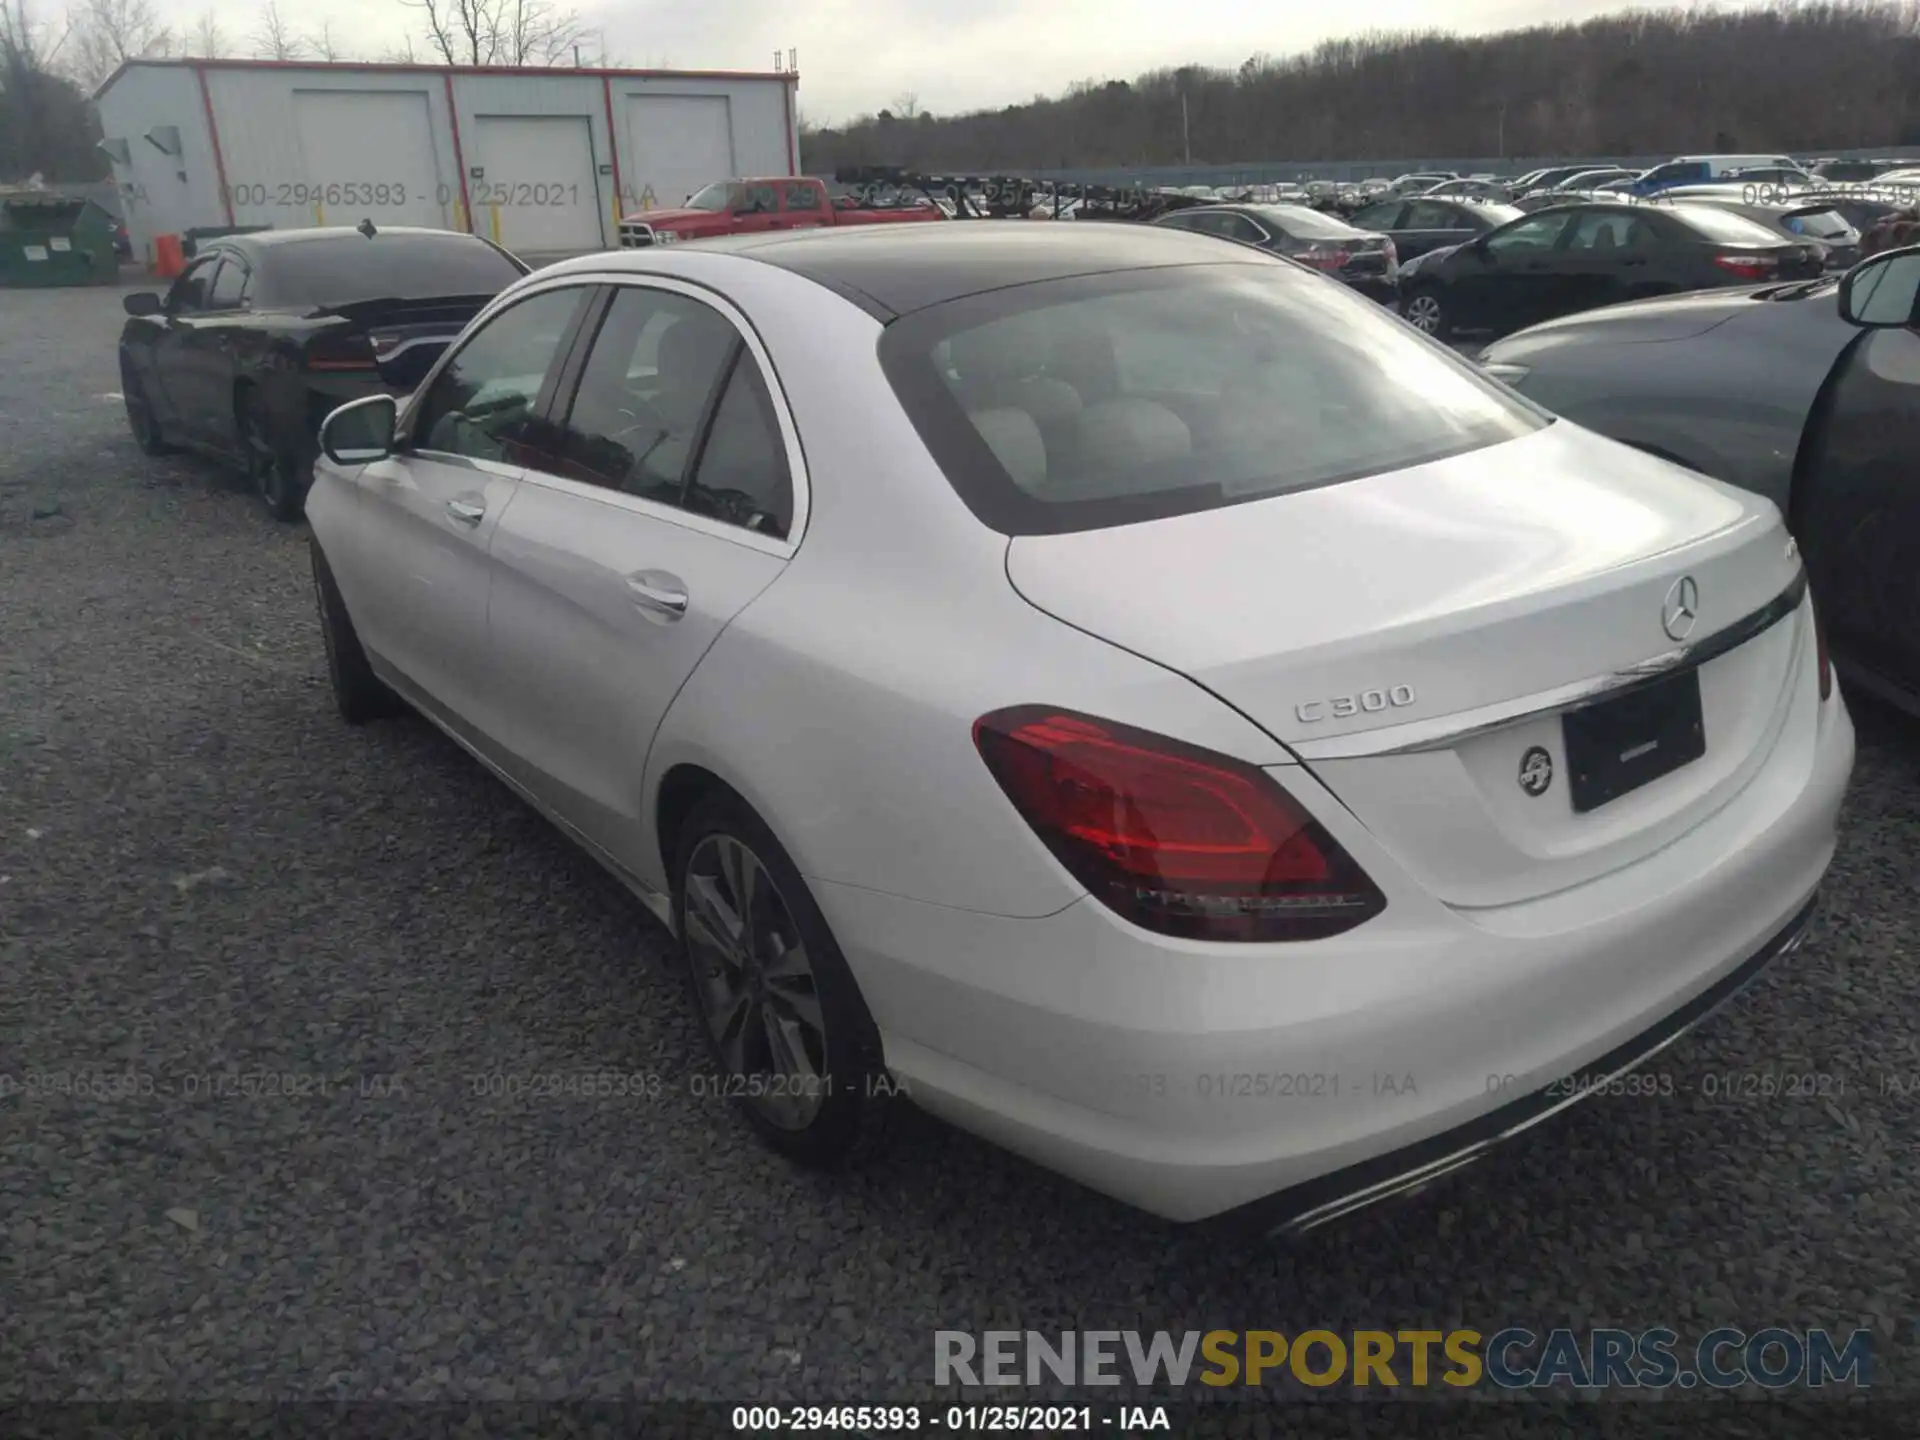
(203, 872)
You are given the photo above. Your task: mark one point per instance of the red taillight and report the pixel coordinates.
(1176, 839)
(1324, 257)
(340, 352)
(1826, 661)
(1752, 267)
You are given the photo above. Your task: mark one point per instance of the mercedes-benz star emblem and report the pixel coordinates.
(1536, 770)
(1682, 608)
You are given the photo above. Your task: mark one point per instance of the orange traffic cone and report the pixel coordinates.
(168, 258)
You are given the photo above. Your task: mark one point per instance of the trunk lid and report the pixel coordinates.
(1478, 594)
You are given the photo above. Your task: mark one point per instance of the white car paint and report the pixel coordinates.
(832, 680)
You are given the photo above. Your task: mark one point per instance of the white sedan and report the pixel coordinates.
(1114, 686)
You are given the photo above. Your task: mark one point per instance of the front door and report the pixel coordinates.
(427, 514)
(616, 568)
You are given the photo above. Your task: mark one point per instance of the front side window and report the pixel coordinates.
(485, 402)
(229, 287)
(1539, 233)
(189, 293)
(721, 195)
(649, 383)
(1075, 404)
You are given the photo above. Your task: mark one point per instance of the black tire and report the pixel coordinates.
(141, 420)
(1425, 310)
(273, 464)
(360, 694)
(851, 1082)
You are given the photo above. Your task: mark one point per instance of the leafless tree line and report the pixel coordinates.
(1795, 76)
(97, 36)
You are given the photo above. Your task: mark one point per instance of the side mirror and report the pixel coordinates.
(142, 302)
(1883, 293)
(360, 431)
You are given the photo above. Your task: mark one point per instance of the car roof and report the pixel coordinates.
(264, 240)
(892, 270)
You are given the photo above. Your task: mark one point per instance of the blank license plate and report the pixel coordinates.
(1619, 745)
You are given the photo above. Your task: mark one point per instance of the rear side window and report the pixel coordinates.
(1102, 400)
(340, 269)
(1723, 227)
(1379, 217)
(1821, 225)
(229, 286)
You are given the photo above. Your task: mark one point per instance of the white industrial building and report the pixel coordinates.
(544, 161)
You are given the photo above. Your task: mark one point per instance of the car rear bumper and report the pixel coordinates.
(1192, 1079)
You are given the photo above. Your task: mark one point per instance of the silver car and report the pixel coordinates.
(1116, 686)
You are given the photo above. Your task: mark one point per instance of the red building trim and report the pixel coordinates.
(375, 67)
(459, 160)
(213, 134)
(613, 153)
(793, 145)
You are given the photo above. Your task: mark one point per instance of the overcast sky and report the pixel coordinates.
(861, 55)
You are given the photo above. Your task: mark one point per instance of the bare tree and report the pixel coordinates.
(401, 54)
(275, 39)
(322, 43)
(507, 32)
(108, 33)
(906, 105)
(206, 41)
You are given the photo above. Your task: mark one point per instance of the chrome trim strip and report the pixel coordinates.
(1446, 731)
(1595, 1082)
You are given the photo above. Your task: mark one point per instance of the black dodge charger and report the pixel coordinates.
(263, 335)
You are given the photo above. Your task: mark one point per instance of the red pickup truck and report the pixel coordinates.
(746, 207)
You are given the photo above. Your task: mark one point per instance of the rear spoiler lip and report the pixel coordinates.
(362, 310)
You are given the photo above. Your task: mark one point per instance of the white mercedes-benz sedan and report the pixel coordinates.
(1116, 687)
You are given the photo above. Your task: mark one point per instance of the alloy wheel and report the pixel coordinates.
(756, 987)
(1423, 313)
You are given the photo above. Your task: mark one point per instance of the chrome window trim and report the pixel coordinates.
(783, 415)
(1447, 731)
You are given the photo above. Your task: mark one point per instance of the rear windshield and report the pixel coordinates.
(1821, 225)
(1306, 224)
(1723, 227)
(337, 270)
(1077, 404)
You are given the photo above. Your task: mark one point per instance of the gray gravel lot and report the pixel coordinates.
(202, 871)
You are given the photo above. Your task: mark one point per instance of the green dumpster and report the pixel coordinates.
(47, 238)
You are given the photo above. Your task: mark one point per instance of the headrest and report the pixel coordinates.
(1014, 438)
(1125, 434)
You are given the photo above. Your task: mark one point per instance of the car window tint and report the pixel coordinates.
(484, 401)
(1539, 233)
(1606, 230)
(742, 476)
(1072, 404)
(1238, 227)
(336, 269)
(649, 381)
(1431, 215)
(189, 292)
(229, 286)
(1380, 217)
(1724, 227)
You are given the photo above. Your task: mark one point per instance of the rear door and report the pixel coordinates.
(1597, 261)
(675, 499)
(1429, 224)
(803, 205)
(1857, 506)
(758, 208)
(417, 575)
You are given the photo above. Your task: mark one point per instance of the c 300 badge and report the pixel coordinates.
(1536, 770)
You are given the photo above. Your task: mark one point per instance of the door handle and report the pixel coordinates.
(466, 512)
(659, 593)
